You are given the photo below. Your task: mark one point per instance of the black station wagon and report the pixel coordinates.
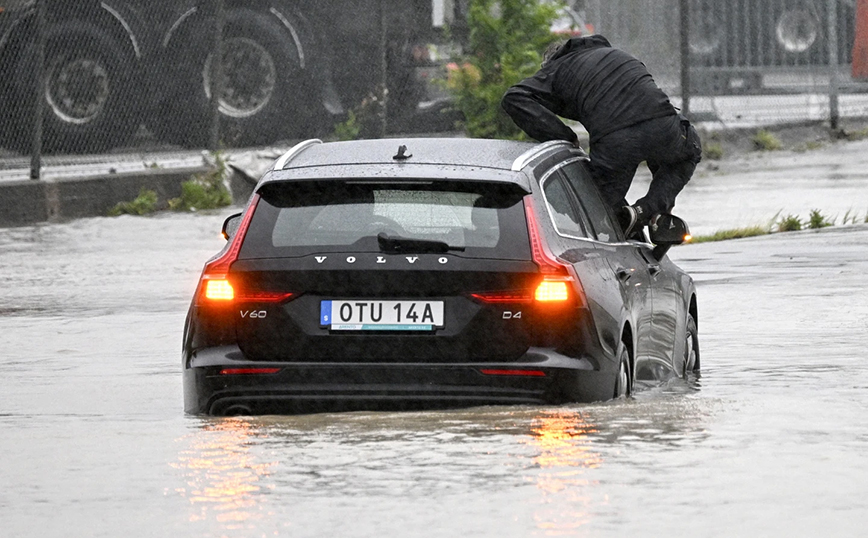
(433, 273)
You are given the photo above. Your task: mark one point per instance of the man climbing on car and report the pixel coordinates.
(628, 117)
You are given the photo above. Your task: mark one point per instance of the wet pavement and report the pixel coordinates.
(755, 188)
(772, 440)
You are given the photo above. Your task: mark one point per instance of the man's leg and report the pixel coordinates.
(672, 165)
(668, 180)
(614, 160)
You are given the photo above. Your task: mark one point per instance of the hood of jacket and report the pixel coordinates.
(575, 44)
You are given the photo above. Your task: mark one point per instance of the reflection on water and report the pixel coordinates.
(562, 440)
(557, 466)
(564, 455)
(224, 480)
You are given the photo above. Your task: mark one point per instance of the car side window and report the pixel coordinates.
(563, 212)
(579, 179)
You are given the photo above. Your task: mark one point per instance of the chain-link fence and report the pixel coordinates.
(109, 74)
(751, 62)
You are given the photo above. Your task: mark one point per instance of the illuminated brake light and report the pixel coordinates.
(248, 371)
(518, 373)
(549, 291)
(219, 290)
(558, 277)
(213, 285)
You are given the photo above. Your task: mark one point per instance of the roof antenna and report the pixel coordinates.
(402, 154)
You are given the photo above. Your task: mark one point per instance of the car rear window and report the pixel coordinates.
(297, 219)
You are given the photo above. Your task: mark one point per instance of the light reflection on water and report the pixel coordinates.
(225, 479)
(554, 465)
(564, 454)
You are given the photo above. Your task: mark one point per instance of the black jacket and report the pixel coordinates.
(589, 81)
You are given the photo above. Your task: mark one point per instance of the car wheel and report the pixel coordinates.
(266, 93)
(798, 29)
(623, 380)
(90, 101)
(691, 348)
(706, 33)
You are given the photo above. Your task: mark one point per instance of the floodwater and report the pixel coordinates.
(772, 440)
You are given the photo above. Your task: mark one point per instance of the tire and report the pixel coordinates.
(798, 30)
(267, 94)
(691, 348)
(624, 377)
(91, 100)
(706, 32)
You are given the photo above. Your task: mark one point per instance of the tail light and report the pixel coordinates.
(215, 285)
(559, 283)
(504, 297)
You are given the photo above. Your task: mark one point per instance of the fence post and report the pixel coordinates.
(685, 57)
(832, 32)
(382, 109)
(216, 71)
(39, 91)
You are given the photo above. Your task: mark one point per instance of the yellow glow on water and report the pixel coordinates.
(565, 460)
(224, 477)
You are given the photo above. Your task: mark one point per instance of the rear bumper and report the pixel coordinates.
(543, 376)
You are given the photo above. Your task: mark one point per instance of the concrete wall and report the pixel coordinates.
(31, 202)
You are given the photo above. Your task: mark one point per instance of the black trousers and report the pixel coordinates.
(669, 145)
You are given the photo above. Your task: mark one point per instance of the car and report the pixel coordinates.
(426, 273)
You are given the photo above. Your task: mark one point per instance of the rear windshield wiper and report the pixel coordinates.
(396, 244)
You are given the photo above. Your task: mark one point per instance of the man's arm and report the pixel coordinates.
(533, 106)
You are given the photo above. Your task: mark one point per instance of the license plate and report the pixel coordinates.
(361, 315)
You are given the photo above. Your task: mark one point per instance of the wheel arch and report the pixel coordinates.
(628, 338)
(122, 27)
(693, 309)
(288, 18)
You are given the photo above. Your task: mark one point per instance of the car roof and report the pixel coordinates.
(466, 159)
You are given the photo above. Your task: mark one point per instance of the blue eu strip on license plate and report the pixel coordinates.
(366, 315)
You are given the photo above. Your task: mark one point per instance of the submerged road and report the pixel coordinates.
(772, 439)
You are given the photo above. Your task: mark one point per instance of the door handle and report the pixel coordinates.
(653, 268)
(624, 274)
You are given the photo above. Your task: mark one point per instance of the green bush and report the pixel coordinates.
(790, 223)
(818, 220)
(735, 233)
(766, 141)
(204, 191)
(507, 38)
(348, 129)
(713, 151)
(145, 203)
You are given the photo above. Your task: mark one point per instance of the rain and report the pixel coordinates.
(769, 439)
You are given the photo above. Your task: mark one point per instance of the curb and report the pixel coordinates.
(31, 202)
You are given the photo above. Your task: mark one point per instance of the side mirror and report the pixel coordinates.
(230, 226)
(666, 231)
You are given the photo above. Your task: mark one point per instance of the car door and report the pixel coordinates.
(627, 269)
(669, 311)
(568, 233)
